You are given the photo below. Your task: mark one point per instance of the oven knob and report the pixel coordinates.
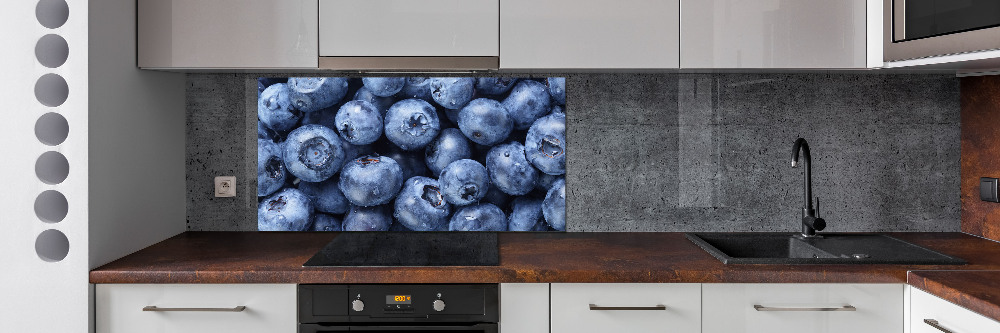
(438, 305)
(358, 305)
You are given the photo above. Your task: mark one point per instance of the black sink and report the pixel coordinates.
(787, 248)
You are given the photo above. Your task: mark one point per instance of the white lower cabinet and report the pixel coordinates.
(930, 314)
(802, 308)
(626, 307)
(196, 308)
(524, 308)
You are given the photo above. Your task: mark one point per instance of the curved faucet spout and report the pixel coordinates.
(810, 222)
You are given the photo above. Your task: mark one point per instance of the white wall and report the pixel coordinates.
(137, 126)
(35, 295)
(125, 148)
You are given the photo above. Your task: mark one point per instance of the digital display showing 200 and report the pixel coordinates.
(397, 299)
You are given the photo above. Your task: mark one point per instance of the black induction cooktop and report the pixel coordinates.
(382, 248)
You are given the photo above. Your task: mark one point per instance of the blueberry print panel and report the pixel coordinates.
(411, 154)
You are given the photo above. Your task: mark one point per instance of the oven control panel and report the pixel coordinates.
(398, 303)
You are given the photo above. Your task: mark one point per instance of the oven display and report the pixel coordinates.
(397, 299)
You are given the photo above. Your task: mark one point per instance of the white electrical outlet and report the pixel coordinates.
(225, 186)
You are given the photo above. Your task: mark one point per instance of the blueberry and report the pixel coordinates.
(452, 92)
(397, 227)
(310, 94)
(264, 82)
(464, 182)
(352, 151)
(485, 121)
(381, 103)
(527, 102)
(263, 132)
(509, 170)
(526, 215)
(545, 145)
(558, 109)
(420, 205)
(270, 168)
(384, 86)
(313, 153)
(481, 217)
(376, 218)
(274, 108)
(416, 87)
(287, 210)
(450, 146)
(412, 163)
(545, 181)
(371, 180)
(554, 206)
(452, 115)
(324, 222)
(557, 89)
(411, 124)
(359, 122)
(326, 196)
(496, 197)
(325, 117)
(494, 85)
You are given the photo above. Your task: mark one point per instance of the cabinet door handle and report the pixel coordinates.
(759, 307)
(935, 324)
(233, 309)
(629, 308)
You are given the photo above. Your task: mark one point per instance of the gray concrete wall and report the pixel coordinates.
(684, 152)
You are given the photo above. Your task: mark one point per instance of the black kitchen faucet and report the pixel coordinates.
(810, 222)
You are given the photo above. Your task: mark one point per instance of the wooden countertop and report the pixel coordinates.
(978, 291)
(277, 257)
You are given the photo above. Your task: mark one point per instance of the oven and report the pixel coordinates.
(927, 28)
(389, 308)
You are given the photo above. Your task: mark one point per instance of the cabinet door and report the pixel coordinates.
(802, 308)
(947, 315)
(626, 307)
(524, 308)
(227, 34)
(580, 34)
(377, 28)
(269, 308)
(773, 34)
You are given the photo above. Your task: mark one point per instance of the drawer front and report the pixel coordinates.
(949, 316)
(729, 308)
(572, 311)
(269, 308)
(369, 28)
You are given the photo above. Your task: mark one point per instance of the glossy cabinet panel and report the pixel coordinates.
(524, 308)
(802, 308)
(268, 308)
(227, 34)
(944, 314)
(774, 34)
(382, 28)
(626, 307)
(582, 34)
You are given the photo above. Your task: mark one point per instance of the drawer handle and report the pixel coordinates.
(937, 325)
(628, 308)
(759, 307)
(234, 309)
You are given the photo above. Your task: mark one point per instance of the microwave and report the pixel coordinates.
(915, 29)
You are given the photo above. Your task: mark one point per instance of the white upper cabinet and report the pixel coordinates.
(227, 34)
(582, 34)
(406, 28)
(779, 33)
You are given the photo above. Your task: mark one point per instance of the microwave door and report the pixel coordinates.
(916, 19)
